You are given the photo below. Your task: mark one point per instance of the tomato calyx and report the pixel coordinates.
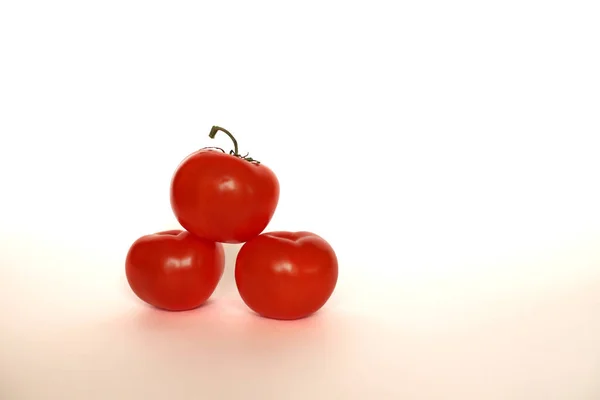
(233, 152)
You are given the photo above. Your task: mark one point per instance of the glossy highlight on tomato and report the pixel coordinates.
(174, 270)
(223, 197)
(286, 275)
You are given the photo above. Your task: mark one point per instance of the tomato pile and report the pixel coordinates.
(217, 198)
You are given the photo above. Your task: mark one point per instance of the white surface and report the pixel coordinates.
(448, 152)
(71, 330)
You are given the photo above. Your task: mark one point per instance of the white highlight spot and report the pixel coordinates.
(173, 262)
(284, 266)
(228, 184)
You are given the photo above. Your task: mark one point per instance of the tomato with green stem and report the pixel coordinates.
(223, 197)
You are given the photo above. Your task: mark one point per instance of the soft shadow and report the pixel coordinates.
(223, 340)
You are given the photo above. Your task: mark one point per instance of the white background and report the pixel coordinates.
(449, 151)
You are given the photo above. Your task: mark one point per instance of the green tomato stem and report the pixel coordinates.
(234, 152)
(216, 129)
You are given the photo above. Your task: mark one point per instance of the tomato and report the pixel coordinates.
(174, 270)
(286, 275)
(227, 198)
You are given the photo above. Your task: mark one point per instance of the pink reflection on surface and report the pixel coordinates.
(79, 333)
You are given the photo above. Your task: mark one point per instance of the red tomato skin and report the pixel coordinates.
(286, 275)
(223, 198)
(174, 270)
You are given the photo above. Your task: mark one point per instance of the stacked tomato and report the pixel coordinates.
(220, 197)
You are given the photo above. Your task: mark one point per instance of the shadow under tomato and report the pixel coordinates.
(207, 303)
(151, 318)
(285, 320)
